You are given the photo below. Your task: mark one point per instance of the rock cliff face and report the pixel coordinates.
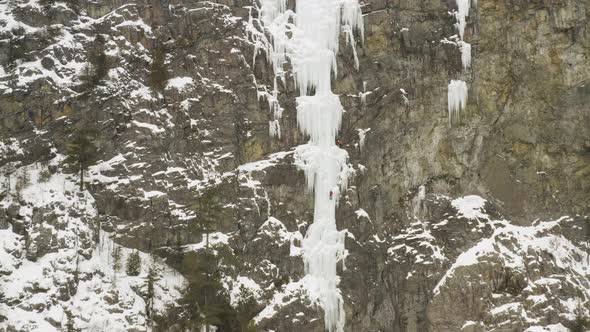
(478, 224)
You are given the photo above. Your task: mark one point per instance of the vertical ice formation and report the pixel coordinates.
(461, 16)
(362, 137)
(457, 90)
(465, 49)
(457, 98)
(404, 96)
(308, 39)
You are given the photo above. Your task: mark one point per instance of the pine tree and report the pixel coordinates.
(116, 255)
(97, 67)
(208, 211)
(205, 296)
(246, 308)
(158, 73)
(9, 169)
(44, 175)
(205, 301)
(76, 274)
(82, 151)
(150, 282)
(581, 323)
(133, 264)
(179, 249)
(21, 182)
(70, 327)
(96, 233)
(2, 299)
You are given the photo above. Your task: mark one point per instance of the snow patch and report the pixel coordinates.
(179, 83)
(470, 206)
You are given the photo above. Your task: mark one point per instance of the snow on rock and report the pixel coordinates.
(9, 147)
(64, 264)
(260, 165)
(549, 328)
(519, 249)
(179, 83)
(360, 213)
(274, 228)
(214, 239)
(470, 206)
(153, 128)
(241, 287)
(293, 291)
(9, 23)
(417, 244)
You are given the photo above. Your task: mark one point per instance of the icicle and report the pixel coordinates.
(319, 117)
(352, 16)
(274, 128)
(350, 39)
(465, 49)
(405, 96)
(457, 99)
(362, 136)
(461, 16)
(364, 94)
(312, 70)
(457, 90)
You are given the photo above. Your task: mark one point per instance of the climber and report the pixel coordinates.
(331, 194)
(339, 142)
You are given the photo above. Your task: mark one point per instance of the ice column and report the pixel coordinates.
(457, 99)
(461, 16)
(308, 38)
(457, 89)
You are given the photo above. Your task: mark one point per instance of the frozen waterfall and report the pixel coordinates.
(308, 38)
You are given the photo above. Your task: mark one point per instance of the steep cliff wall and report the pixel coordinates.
(475, 224)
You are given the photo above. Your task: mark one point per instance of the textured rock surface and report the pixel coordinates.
(417, 261)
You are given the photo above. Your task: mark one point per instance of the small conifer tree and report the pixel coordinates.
(246, 308)
(44, 175)
(133, 264)
(158, 73)
(581, 324)
(70, 327)
(116, 255)
(21, 182)
(82, 151)
(97, 66)
(150, 282)
(209, 210)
